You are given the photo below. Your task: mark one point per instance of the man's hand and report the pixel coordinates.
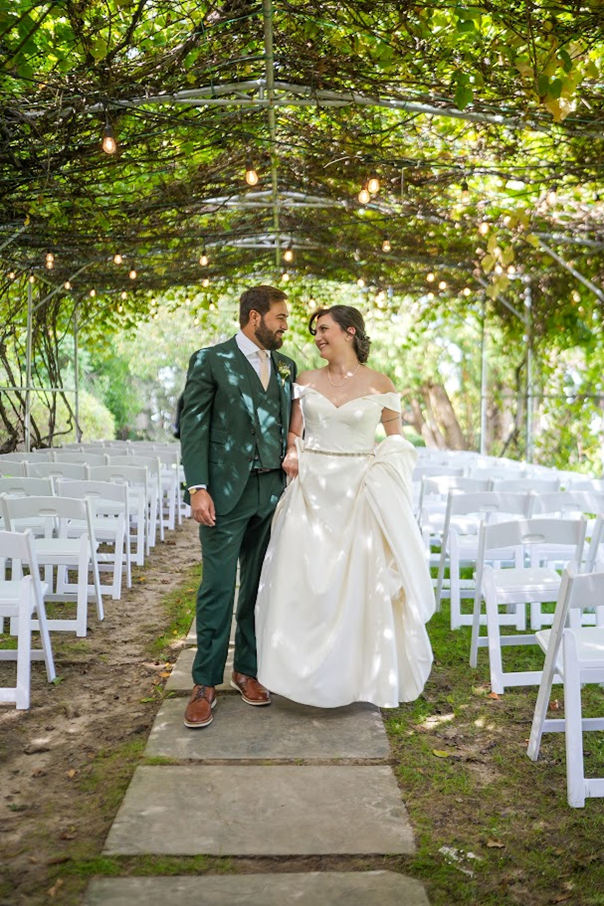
(202, 508)
(290, 463)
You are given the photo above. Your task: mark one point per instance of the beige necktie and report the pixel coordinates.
(264, 375)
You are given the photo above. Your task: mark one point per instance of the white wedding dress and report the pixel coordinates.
(345, 590)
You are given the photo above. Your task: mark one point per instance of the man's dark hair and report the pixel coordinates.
(260, 299)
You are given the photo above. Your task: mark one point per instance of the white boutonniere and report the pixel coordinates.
(284, 371)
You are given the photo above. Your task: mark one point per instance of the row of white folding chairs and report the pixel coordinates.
(114, 489)
(63, 540)
(163, 464)
(22, 602)
(458, 538)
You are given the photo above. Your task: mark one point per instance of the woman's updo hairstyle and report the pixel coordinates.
(346, 317)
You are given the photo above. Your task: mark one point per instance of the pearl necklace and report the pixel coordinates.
(352, 374)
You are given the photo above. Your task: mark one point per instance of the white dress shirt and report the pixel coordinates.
(250, 351)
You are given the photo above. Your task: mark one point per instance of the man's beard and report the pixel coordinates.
(268, 338)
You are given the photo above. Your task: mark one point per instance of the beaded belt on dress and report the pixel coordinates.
(338, 453)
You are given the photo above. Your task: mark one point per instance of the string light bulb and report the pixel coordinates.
(117, 258)
(288, 254)
(67, 285)
(430, 277)
(133, 275)
(285, 277)
(386, 244)
(123, 294)
(251, 177)
(11, 275)
(442, 284)
(465, 192)
(92, 293)
(205, 282)
(364, 195)
(109, 143)
(360, 283)
(511, 269)
(32, 279)
(466, 291)
(203, 259)
(552, 195)
(373, 184)
(50, 260)
(483, 229)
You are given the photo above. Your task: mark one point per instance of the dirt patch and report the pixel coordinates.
(66, 762)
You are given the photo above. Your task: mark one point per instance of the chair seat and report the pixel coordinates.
(53, 547)
(10, 590)
(537, 580)
(590, 645)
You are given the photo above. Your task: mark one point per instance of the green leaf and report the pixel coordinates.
(465, 25)
(463, 96)
(543, 84)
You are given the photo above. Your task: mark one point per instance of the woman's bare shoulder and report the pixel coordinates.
(379, 382)
(307, 378)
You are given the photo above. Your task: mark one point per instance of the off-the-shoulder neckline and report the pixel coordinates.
(353, 400)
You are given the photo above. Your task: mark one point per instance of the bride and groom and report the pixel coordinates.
(334, 587)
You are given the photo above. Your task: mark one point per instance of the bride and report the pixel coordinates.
(345, 590)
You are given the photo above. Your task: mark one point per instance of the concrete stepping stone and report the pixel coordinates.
(191, 638)
(284, 729)
(367, 888)
(253, 810)
(180, 679)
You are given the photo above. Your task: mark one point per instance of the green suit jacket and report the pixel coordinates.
(218, 424)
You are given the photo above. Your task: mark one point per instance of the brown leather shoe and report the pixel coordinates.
(198, 712)
(251, 690)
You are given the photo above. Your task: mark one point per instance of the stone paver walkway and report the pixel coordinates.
(283, 781)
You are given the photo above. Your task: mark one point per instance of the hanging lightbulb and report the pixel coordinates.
(285, 277)
(386, 244)
(511, 269)
(123, 294)
(67, 285)
(498, 269)
(360, 283)
(466, 291)
(117, 258)
(212, 307)
(483, 229)
(442, 285)
(430, 296)
(93, 293)
(465, 192)
(204, 260)
(50, 260)
(364, 195)
(12, 275)
(120, 308)
(373, 184)
(205, 282)
(109, 143)
(552, 196)
(251, 177)
(32, 279)
(187, 301)
(133, 275)
(430, 277)
(288, 254)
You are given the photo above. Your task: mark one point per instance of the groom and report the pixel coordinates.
(233, 432)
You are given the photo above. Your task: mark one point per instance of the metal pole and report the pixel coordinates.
(528, 302)
(76, 382)
(267, 15)
(28, 357)
(483, 380)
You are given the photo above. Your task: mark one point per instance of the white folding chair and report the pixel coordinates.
(136, 478)
(459, 544)
(58, 470)
(111, 515)
(22, 597)
(528, 483)
(12, 467)
(515, 587)
(575, 655)
(153, 467)
(81, 457)
(56, 551)
(19, 486)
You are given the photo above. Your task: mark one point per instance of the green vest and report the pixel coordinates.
(269, 431)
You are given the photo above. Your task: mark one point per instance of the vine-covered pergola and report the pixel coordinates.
(451, 151)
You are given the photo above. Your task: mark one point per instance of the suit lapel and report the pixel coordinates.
(284, 390)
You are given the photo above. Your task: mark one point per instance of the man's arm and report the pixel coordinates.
(198, 400)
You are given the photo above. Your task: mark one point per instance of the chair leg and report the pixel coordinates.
(45, 640)
(82, 588)
(575, 771)
(543, 698)
(22, 690)
(475, 627)
(494, 640)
